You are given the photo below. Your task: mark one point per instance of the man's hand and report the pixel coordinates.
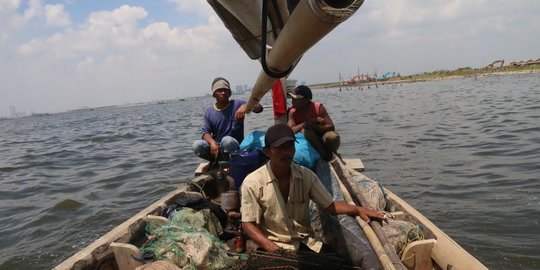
(258, 108)
(240, 113)
(366, 214)
(271, 247)
(314, 124)
(256, 234)
(214, 149)
(341, 207)
(309, 125)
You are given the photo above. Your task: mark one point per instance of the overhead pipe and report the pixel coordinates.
(243, 19)
(310, 21)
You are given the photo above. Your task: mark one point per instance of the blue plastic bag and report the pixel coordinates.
(305, 154)
(244, 162)
(254, 140)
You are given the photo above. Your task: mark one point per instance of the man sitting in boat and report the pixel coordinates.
(275, 198)
(223, 126)
(312, 119)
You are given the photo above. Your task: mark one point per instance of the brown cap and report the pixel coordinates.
(278, 134)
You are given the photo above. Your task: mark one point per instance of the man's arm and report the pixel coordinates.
(342, 208)
(207, 134)
(291, 123)
(214, 147)
(240, 114)
(255, 234)
(321, 197)
(323, 123)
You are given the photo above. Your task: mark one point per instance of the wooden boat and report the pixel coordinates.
(291, 32)
(115, 249)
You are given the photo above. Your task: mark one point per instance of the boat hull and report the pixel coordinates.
(445, 252)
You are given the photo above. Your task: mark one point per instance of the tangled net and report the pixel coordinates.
(189, 241)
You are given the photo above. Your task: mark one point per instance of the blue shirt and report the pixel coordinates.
(221, 123)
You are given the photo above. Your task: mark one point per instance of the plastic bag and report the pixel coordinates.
(305, 154)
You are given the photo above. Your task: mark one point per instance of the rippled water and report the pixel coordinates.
(464, 152)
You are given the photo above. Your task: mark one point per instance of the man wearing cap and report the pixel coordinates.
(275, 198)
(223, 126)
(312, 119)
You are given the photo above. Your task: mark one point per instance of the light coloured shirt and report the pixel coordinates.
(287, 224)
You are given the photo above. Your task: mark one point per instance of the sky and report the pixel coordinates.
(63, 55)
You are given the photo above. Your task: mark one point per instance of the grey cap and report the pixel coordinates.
(220, 83)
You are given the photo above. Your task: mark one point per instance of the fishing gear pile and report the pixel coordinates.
(189, 241)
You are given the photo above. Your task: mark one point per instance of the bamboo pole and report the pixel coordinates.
(368, 231)
(360, 200)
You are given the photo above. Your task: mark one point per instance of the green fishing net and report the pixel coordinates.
(189, 241)
(401, 233)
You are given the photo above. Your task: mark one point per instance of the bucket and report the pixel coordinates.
(230, 201)
(243, 162)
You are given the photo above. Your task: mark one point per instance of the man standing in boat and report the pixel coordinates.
(312, 119)
(275, 198)
(223, 126)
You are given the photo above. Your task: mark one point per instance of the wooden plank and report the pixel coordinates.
(123, 253)
(398, 215)
(158, 220)
(417, 255)
(354, 164)
(199, 169)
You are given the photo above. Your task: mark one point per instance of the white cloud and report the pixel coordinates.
(53, 15)
(118, 30)
(32, 47)
(34, 10)
(88, 62)
(8, 6)
(116, 56)
(112, 52)
(123, 16)
(56, 15)
(199, 7)
(160, 34)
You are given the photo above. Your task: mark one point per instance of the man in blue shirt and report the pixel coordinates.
(223, 126)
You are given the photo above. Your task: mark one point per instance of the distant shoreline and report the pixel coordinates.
(432, 76)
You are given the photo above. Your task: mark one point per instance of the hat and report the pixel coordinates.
(301, 91)
(278, 134)
(220, 83)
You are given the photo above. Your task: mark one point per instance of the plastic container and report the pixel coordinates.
(243, 162)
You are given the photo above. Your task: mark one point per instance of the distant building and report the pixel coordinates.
(291, 84)
(14, 113)
(239, 89)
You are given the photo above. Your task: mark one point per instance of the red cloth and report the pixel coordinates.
(311, 113)
(278, 98)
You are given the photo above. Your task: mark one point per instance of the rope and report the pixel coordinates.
(417, 235)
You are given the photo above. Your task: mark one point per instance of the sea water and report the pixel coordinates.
(464, 152)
